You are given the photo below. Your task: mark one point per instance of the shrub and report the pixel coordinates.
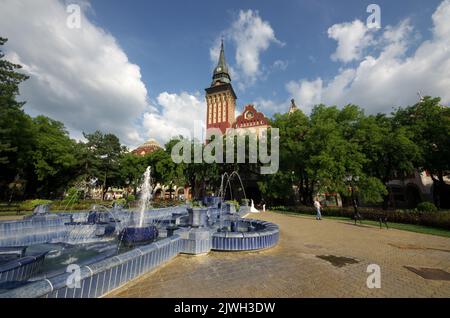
(122, 202)
(158, 204)
(197, 204)
(131, 198)
(30, 204)
(81, 205)
(426, 207)
(235, 203)
(73, 195)
(437, 220)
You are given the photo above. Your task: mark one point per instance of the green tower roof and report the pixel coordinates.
(221, 74)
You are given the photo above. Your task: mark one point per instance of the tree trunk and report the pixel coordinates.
(301, 190)
(354, 203)
(437, 186)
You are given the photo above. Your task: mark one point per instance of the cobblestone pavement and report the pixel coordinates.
(293, 268)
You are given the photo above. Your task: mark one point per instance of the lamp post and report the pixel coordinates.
(351, 180)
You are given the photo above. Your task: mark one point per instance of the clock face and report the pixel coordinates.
(249, 115)
(219, 69)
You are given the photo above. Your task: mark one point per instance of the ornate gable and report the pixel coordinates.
(250, 117)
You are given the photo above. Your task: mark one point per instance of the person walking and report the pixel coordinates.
(317, 205)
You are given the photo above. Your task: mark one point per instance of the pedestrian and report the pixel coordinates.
(317, 205)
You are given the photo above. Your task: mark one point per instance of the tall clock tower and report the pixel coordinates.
(220, 97)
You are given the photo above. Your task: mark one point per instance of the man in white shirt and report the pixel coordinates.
(317, 205)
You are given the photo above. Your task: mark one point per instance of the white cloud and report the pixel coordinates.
(251, 36)
(178, 115)
(306, 93)
(269, 107)
(393, 76)
(440, 19)
(281, 65)
(352, 38)
(81, 77)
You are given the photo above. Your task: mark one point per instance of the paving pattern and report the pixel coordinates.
(327, 258)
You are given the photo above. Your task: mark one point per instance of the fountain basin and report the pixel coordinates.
(138, 235)
(246, 235)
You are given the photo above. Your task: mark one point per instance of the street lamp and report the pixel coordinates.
(352, 179)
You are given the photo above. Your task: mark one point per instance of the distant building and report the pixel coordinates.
(148, 147)
(293, 108)
(221, 103)
(414, 189)
(251, 120)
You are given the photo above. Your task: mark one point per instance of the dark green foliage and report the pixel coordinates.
(437, 220)
(426, 207)
(101, 160)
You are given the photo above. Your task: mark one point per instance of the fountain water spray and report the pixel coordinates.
(226, 182)
(146, 194)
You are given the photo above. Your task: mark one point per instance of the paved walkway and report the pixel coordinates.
(308, 262)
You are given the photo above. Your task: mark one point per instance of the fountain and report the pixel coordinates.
(113, 246)
(146, 193)
(139, 234)
(225, 184)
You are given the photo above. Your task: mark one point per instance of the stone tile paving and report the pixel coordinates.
(293, 268)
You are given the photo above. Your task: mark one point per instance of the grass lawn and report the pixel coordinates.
(398, 226)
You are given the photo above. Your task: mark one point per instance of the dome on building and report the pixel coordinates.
(146, 148)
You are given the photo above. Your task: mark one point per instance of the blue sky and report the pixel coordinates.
(139, 68)
(170, 40)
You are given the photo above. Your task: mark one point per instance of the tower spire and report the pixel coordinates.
(221, 74)
(293, 108)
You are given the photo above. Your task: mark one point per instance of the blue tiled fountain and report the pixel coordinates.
(88, 254)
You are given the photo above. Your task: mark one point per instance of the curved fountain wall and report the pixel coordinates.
(264, 235)
(33, 231)
(56, 227)
(223, 230)
(22, 269)
(104, 276)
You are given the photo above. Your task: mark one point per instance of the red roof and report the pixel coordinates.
(250, 117)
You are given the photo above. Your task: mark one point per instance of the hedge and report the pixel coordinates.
(439, 219)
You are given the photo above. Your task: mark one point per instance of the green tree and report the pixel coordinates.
(201, 177)
(390, 151)
(53, 159)
(131, 169)
(430, 123)
(15, 125)
(9, 89)
(101, 159)
(335, 160)
(292, 130)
